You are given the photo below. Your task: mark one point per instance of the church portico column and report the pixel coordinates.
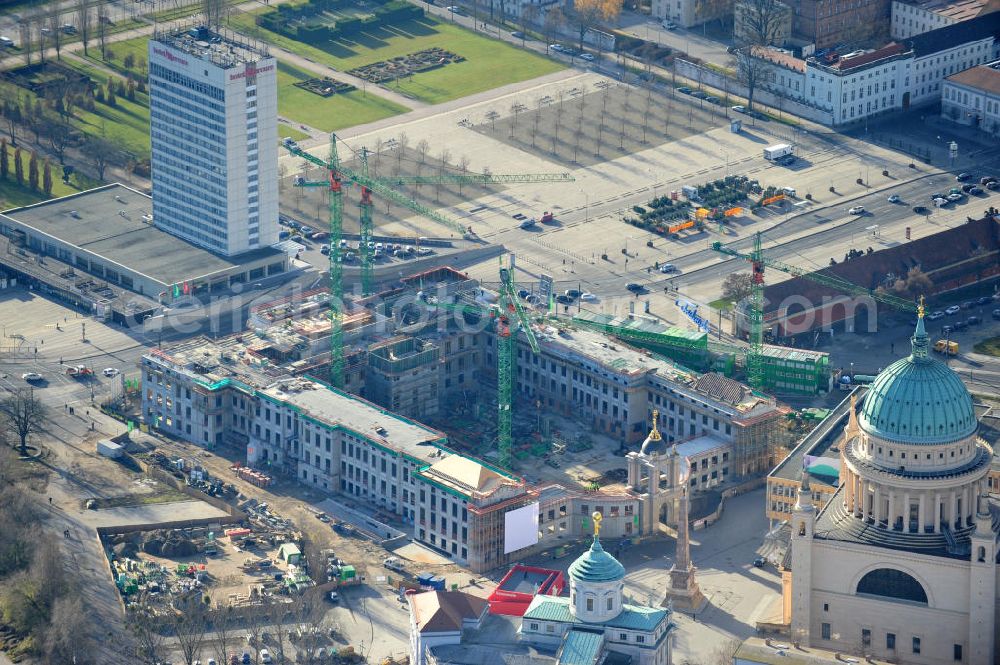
(952, 513)
(849, 484)
(891, 517)
(922, 513)
(876, 512)
(906, 511)
(936, 513)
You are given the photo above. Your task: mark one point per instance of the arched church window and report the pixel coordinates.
(892, 583)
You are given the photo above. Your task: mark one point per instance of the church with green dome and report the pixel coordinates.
(903, 558)
(594, 624)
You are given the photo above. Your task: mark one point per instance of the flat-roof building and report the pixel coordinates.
(108, 234)
(972, 97)
(214, 133)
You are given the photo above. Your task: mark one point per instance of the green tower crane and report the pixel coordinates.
(366, 247)
(755, 313)
(335, 192)
(510, 318)
(337, 175)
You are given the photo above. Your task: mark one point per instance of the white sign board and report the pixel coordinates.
(520, 528)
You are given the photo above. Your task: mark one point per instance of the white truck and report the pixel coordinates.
(778, 152)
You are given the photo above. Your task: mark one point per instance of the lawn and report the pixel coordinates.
(988, 347)
(328, 114)
(489, 63)
(13, 195)
(136, 47)
(127, 124)
(721, 304)
(286, 131)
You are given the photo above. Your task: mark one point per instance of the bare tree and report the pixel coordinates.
(70, 637)
(255, 621)
(281, 618)
(104, 153)
(529, 14)
(27, 43)
(83, 22)
(444, 158)
(422, 147)
(724, 653)
(404, 141)
(463, 166)
(102, 31)
(24, 414)
(189, 623)
(589, 14)
(55, 33)
(759, 24)
(147, 643)
(213, 12)
(11, 111)
(59, 133)
(555, 20)
(224, 627)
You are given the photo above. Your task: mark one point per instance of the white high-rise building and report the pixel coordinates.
(214, 131)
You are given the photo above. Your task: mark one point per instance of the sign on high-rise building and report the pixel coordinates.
(214, 134)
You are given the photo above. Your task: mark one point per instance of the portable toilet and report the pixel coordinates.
(424, 579)
(347, 573)
(438, 583)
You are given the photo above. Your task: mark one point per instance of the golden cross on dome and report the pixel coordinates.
(920, 308)
(597, 523)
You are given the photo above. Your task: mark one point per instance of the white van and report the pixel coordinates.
(6, 42)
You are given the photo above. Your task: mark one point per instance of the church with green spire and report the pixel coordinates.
(902, 560)
(595, 624)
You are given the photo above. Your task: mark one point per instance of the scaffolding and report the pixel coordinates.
(795, 370)
(786, 370)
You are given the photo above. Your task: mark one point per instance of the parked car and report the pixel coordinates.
(32, 377)
(937, 195)
(940, 202)
(960, 325)
(759, 562)
(265, 656)
(573, 293)
(947, 330)
(856, 210)
(996, 314)
(69, 28)
(635, 288)
(894, 198)
(587, 296)
(953, 310)
(6, 42)
(987, 179)
(517, 34)
(699, 94)
(589, 57)
(556, 47)
(973, 320)
(563, 299)
(934, 316)
(684, 90)
(739, 108)
(713, 100)
(967, 186)
(975, 190)
(954, 197)
(962, 177)
(993, 184)
(920, 210)
(985, 300)
(669, 25)
(325, 250)
(111, 372)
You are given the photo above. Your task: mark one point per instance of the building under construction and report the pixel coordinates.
(785, 370)
(426, 351)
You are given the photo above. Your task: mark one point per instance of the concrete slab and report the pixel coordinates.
(152, 514)
(419, 554)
